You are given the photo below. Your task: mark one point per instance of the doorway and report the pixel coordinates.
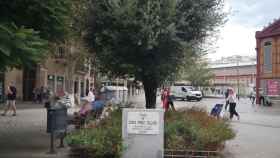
(2, 90)
(29, 80)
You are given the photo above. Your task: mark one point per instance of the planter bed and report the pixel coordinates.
(191, 129)
(83, 152)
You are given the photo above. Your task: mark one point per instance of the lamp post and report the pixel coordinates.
(237, 70)
(238, 93)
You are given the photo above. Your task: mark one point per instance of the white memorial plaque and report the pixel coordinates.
(143, 133)
(143, 122)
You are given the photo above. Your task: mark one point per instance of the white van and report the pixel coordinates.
(185, 92)
(115, 94)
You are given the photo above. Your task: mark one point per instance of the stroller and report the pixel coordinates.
(216, 110)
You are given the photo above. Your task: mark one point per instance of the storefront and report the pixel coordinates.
(270, 87)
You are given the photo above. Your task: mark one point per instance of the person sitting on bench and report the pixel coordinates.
(97, 106)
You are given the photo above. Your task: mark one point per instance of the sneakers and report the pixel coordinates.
(5, 115)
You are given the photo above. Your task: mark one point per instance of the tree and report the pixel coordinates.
(19, 46)
(197, 72)
(26, 27)
(148, 38)
(76, 53)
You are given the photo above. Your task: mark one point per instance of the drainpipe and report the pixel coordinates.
(258, 72)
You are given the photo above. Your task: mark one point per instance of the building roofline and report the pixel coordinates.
(231, 65)
(269, 30)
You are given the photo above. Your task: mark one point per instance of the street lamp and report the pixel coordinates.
(238, 79)
(237, 69)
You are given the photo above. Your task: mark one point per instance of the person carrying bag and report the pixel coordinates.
(232, 104)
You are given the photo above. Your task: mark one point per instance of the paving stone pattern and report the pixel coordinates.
(25, 135)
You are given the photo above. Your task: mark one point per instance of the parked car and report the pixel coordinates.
(185, 93)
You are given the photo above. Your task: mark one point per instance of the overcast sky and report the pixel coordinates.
(237, 36)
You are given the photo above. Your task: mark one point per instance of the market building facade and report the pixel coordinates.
(268, 61)
(237, 72)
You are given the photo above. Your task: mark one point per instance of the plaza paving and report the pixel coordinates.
(25, 136)
(257, 130)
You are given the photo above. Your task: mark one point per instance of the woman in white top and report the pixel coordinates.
(91, 95)
(232, 104)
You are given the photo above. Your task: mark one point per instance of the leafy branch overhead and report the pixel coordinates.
(19, 46)
(26, 28)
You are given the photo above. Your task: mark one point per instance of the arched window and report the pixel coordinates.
(267, 57)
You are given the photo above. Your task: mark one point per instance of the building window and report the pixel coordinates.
(60, 85)
(267, 57)
(60, 54)
(51, 83)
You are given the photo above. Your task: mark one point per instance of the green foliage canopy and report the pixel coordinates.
(197, 72)
(148, 38)
(26, 26)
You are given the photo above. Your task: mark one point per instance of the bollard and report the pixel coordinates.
(52, 150)
(50, 129)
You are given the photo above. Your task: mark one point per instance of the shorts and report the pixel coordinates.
(11, 102)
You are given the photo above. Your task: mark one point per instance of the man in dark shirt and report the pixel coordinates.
(11, 99)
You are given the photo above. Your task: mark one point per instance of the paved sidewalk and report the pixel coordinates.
(257, 133)
(25, 105)
(25, 136)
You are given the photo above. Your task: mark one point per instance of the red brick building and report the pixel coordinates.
(237, 72)
(268, 61)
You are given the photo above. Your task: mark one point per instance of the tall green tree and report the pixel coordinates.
(197, 72)
(76, 54)
(148, 38)
(26, 27)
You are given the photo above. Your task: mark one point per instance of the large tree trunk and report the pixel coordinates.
(69, 82)
(150, 88)
(70, 74)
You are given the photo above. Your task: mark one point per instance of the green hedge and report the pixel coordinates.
(104, 140)
(195, 129)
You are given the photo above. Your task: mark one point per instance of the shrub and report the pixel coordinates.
(105, 140)
(188, 129)
(195, 129)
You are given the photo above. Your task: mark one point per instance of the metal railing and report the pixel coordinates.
(168, 153)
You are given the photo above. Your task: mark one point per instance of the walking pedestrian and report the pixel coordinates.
(37, 95)
(41, 95)
(11, 102)
(226, 96)
(253, 96)
(170, 100)
(164, 99)
(232, 104)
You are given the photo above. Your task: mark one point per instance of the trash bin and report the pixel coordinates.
(56, 124)
(56, 119)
